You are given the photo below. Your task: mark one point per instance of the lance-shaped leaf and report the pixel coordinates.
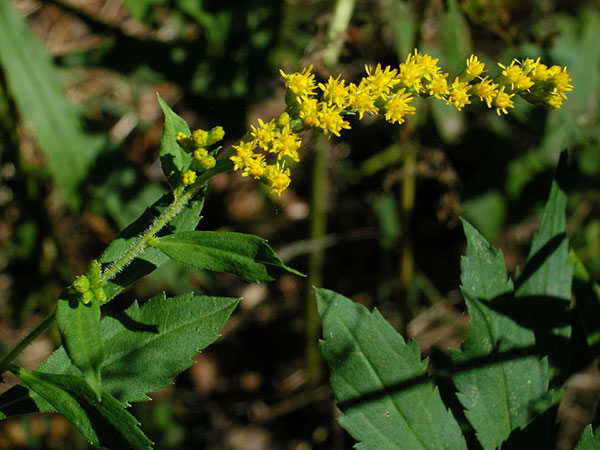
(151, 258)
(104, 422)
(589, 440)
(35, 86)
(380, 381)
(245, 255)
(502, 384)
(544, 286)
(143, 348)
(79, 327)
(173, 159)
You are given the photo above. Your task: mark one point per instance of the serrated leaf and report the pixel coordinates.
(173, 159)
(35, 86)
(143, 348)
(245, 255)
(589, 440)
(105, 422)
(380, 381)
(79, 327)
(151, 258)
(501, 382)
(146, 346)
(545, 282)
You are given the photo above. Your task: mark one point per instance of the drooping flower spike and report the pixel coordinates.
(388, 92)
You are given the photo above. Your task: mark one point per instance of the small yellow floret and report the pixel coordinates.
(330, 120)
(361, 101)
(398, 106)
(278, 178)
(264, 134)
(474, 67)
(255, 166)
(286, 143)
(300, 83)
(458, 94)
(188, 177)
(503, 101)
(379, 82)
(335, 91)
(438, 86)
(485, 90)
(244, 152)
(200, 137)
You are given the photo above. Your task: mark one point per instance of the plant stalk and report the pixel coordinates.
(33, 334)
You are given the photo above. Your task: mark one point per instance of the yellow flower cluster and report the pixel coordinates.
(196, 145)
(275, 138)
(389, 92)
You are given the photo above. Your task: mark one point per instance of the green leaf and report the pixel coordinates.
(105, 422)
(79, 327)
(173, 158)
(35, 86)
(501, 382)
(544, 285)
(146, 346)
(380, 381)
(143, 348)
(589, 440)
(245, 255)
(587, 297)
(151, 258)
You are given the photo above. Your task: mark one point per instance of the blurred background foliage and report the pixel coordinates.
(79, 135)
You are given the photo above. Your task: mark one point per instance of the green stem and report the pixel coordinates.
(342, 13)
(166, 216)
(318, 224)
(407, 204)
(33, 334)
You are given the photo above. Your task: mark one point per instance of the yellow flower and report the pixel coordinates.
(286, 143)
(255, 166)
(335, 91)
(244, 152)
(554, 101)
(379, 82)
(486, 90)
(278, 178)
(330, 120)
(515, 77)
(410, 73)
(427, 63)
(300, 83)
(561, 82)
(438, 86)
(458, 94)
(474, 67)
(309, 111)
(398, 106)
(188, 177)
(263, 135)
(502, 100)
(361, 101)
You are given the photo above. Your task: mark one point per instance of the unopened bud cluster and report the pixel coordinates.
(196, 145)
(89, 286)
(388, 92)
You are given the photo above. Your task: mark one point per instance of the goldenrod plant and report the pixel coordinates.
(507, 374)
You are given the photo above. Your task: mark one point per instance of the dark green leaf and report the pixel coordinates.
(502, 384)
(589, 440)
(36, 88)
(143, 347)
(173, 158)
(380, 381)
(544, 286)
(245, 255)
(79, 327)
(104, 422)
